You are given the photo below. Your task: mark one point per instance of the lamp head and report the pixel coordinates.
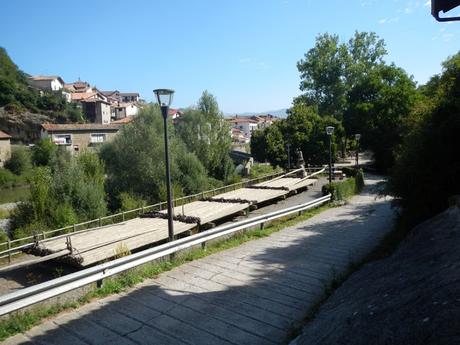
(357, 136)
(444, 6)
(329, 130)
(164, 96)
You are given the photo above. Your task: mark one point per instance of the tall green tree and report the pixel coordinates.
(428, 162)
(378, 105)
(329, 70)
(134, 162)
(206, 134)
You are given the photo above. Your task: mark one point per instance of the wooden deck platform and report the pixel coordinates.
(209, 211)
(291, 183)
(102, 243)
(252, 195)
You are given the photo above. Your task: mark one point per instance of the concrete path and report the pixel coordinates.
(252, 294)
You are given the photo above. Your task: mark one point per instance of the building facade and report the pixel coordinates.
(47, 83)
(80, 137)
(5, 148)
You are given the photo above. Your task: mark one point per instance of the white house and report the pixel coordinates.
(245, 124)
(47, 83)
(122, 110)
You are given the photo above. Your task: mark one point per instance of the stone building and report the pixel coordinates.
(5, 148)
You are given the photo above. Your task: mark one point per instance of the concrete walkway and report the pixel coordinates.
(252, 294)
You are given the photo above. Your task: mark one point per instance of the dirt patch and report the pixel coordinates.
(411, 297)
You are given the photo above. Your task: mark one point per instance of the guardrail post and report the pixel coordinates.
(123, 215)
(44, 235)
(9, 251)
(100, 221)
(262, 225)
(143, 210)
(74, 228)
(69, 245)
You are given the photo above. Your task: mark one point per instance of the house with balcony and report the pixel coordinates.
(78, 137)
(245, 124)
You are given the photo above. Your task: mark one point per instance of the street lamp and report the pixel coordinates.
(329, 131)
(357, 137)
(164, 98)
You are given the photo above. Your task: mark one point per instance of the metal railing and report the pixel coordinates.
(38, 293)
(14, 247)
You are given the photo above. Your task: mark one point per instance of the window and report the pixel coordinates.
(97, 138)
(62, 139)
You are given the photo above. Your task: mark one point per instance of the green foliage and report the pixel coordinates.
(20, 161)
(428, 162)
(206, 134)
(70, 190)
(134, 161)
(330, 69)
(16, 95)
(7, 178)
(351, 82)
(378, 104)
(129, 201)
(43, 151)
(258, 170)
(303, 129)
(345, 189)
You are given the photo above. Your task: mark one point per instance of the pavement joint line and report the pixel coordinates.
(255, 276)
(268, 279)
(267, 287)
(251, 296)
(226, 308)
(176, 304)
(134, 299)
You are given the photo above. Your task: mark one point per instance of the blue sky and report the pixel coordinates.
(242, 51)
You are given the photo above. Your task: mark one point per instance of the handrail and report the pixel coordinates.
(38, 293)
(45, 234)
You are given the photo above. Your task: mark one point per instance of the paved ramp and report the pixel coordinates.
(252, 294)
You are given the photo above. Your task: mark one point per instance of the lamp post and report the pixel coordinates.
(329, 131)
(288, 148)
(357, 137)
(164, 98)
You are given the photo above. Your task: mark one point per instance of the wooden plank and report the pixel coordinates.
(292, 183)
(209, 211)
(254, 196)
(103, 243)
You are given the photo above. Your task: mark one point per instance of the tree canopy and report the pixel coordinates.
(427, 166)
(134, 162)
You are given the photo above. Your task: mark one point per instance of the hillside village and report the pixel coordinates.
(105, 113)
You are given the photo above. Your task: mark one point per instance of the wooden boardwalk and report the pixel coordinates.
(251, 294)
(102, 243)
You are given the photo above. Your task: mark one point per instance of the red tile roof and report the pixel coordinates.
(52, 127)
(3, 135)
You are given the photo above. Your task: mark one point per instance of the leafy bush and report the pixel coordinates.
(349, 171)
(42, 152)
(344, 189)
(427, 167)
(20, 161)
(129, 201)
(7, 178)
(263, 169)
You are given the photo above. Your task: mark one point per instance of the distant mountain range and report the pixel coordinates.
(279, 113)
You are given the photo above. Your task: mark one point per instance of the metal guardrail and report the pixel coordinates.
(17, 245)
(43, 291)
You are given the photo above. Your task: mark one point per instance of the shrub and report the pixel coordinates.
(7, 178)
(42, 152)
(20, 161)
(349, 171)
(344, 189)
(129, 201)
